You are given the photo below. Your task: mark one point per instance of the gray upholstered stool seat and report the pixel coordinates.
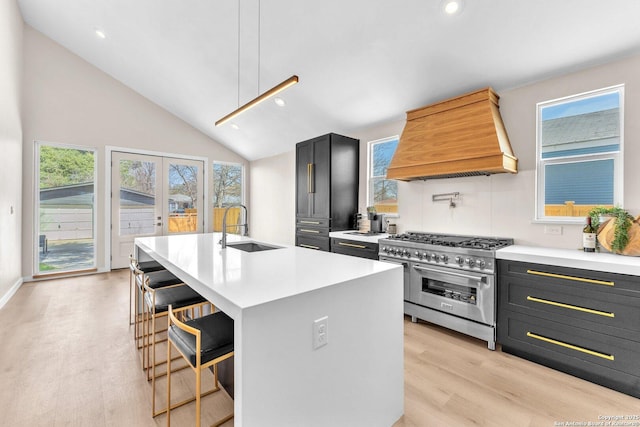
(216, 335)
(177, 296)
(150, 266)
(158, 279)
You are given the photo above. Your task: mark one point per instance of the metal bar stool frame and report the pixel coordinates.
(140, 279)
(173, 320)
(148, 268)
(151, 341)
(148, 334)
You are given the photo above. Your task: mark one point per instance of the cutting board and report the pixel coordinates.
(606, 234)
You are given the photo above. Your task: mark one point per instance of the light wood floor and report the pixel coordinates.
(67, 359)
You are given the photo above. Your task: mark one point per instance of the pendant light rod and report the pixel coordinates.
(255, 101)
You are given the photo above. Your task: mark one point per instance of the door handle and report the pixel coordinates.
(480, 278)
(309, 246)
(351, 245)
(159, 224)
(310, 180)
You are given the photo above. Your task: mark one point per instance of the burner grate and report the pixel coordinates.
(486, 243)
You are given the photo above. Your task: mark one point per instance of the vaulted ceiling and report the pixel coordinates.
(360, 62)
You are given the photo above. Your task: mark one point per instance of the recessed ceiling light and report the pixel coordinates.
(452, 7)
(100, 34)
(234, 126)
(279, 102)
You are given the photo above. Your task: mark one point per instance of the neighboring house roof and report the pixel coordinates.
(68, 195)
(595, 126)
(82, 195)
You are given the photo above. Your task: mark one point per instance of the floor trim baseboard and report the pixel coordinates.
(12, 290)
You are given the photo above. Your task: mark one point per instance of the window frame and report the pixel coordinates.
(36, 272)
(616, 156)
(370, 176)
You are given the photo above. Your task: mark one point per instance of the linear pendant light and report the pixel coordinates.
(255, 101)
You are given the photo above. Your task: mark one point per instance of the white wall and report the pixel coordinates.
(273, 203)
(11, 33)
(67, 100)
(499, 205)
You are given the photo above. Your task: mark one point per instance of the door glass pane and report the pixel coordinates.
(227, 191)
(183, 198)
(65, 240)
(137, 197)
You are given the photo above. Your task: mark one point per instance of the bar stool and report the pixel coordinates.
(156, 304)
(203, 342)
(154, 280)
(145, 266)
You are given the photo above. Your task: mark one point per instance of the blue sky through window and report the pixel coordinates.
(582, 106)
(382, 154)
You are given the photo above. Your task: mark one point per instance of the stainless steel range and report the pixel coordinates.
(449, 279)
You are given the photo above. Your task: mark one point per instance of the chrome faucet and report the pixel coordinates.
(223, 241)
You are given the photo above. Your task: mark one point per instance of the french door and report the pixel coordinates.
(153, 196)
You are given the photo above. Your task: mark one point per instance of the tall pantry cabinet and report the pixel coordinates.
(326, 188)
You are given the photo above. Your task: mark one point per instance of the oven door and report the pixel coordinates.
(466, 294)
(407, 273)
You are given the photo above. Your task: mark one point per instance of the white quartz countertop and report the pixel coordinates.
(347, 235)
(237, 280)
(596, 261)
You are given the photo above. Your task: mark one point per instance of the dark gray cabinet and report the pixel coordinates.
(583, 322)
(326, 188)
(354, 248)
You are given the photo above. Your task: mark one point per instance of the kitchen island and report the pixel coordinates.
(274, 297)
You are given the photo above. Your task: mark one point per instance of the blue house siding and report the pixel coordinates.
(585, 183)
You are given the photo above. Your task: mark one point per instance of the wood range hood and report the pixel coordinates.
(461, 136)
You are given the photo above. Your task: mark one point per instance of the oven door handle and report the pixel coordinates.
(481, 278)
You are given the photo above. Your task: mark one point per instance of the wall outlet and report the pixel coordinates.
(321, 332)
(553, 229)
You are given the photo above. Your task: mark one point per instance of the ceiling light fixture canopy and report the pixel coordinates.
(255, 101)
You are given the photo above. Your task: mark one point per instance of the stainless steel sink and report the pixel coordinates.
(252, 246)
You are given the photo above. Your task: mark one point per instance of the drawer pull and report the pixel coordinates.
(577, 279)
(310, 222)
(572, 347)
(306, 230)
(571, 307)
(309, 246)
(351, 245)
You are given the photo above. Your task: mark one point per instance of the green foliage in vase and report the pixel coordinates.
(623, 221)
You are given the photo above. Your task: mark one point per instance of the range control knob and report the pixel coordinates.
(406, 253)
(469, 262)
(434, 257)
(418, 254)
(444, 258)
(459, 260)
(385, 249)
(481, 263)
(425, 255)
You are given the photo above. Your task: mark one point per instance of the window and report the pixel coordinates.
(66, 209)
(579, 154)
(382, 192)
(228, 189)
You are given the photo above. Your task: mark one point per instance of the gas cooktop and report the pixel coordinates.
(453, 240)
